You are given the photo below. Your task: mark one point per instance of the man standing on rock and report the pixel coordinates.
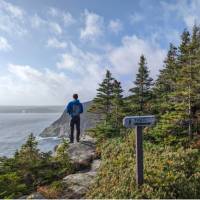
(75, 108)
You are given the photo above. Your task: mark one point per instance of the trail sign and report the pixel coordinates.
(133, 121)
(138, 122)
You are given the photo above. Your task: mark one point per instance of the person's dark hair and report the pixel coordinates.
(75, 96)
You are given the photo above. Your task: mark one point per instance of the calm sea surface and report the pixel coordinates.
(15, 128)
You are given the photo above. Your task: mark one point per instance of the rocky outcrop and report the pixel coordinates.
(78, 184)
(84, 157)
(81, 154)
(61, 126)
(87, 163)
(35, 195)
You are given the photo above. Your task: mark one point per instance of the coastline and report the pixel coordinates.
(15, 128)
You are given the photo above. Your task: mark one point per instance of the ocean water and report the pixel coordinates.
(15, 128)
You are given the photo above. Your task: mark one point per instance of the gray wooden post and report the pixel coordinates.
(139, 156)
(138, 122)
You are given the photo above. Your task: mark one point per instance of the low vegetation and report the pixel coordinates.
(30, 169)
(52, 191)
(170, 172)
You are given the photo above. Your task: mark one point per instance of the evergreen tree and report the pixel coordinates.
(194, 72)
(166, 82)
(141, 93)
(102, 103)
(117, 104)
(174, 115)
(188, 80)
(177, 88)
(29, 152)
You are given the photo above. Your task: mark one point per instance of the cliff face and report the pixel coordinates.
(61, 126)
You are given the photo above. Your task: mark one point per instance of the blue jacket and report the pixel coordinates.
(74, 104)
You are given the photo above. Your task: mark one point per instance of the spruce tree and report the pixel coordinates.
(177, 88)
(173, 82)
(194, 66)
(187, 82)
(194, 79)
(166, 82)
(29, 151)
(102, 103)
(141, 93)
(117, 104)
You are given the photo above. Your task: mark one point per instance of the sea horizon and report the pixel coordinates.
(16, 125)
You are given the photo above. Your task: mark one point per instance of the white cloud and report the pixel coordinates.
(4, 45)
(55, 43)
(25, 72)
(94, 25)
(65, 16)
(55, 27)
(53, 12)
(12, 18)
(68, 19)
(136, 18)
(115, 26)
(38, 22)
(125, 58)
(77, 71)
(29, 86)
(188, 11)
(67, 62)
(83, 62)
(11, 9)
(86, 69)
(161, 34)
(26, 85)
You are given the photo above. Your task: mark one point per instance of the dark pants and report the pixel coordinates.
(75, 121)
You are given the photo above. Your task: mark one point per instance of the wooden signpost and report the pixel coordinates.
(138, 122)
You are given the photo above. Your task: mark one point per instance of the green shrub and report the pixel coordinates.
(169, 172)
(11, 186)
(30, 168)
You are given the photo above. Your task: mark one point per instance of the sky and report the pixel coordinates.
(50, 49)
